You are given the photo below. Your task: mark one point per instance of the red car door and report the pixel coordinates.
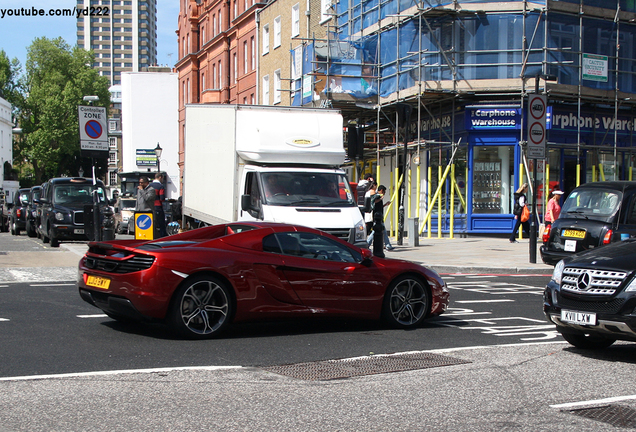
(329, 276)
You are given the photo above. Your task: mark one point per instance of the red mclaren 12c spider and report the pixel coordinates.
(200, 281)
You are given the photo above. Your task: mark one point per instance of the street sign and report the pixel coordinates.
(595, 67)
(144, 226)
(92, 128)
(536, 126)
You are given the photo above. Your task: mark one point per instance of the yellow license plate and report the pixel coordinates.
(573, 233)
(98, 282)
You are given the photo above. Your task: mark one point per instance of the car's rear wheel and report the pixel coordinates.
(584, 341)
(55, 242)
(201, 307)
(30, 229)
(13, 230)
(406, 302)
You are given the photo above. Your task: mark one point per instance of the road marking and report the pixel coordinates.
(50, 285)
(480, 276)
(4, 319)
(492, 326)
(93, 316)
(485, 301)
(593, 402)
(118, 372)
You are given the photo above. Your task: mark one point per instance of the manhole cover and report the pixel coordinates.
(347, 368)
(616, 415)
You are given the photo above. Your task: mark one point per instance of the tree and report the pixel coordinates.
(57, 78)
(10, 88)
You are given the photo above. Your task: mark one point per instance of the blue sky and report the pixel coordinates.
(17, 33)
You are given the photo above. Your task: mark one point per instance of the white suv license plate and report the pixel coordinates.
(79, 231)
(582, 318)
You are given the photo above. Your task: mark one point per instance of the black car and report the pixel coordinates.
(17, 220)
(31, 211)
(62, 206)
(593, 215)
(592, 296)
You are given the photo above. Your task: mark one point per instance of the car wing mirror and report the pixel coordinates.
(367, 256)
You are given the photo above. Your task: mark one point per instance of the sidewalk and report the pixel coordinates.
(474, 254)
(479, 254)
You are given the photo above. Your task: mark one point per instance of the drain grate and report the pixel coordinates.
(616, 415)
(347, 368)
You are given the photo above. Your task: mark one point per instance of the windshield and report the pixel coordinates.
(128, 204)
(592, 203)
(65, 194)
(307, 189)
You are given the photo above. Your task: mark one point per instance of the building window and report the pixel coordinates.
(277, 32)
(235, 9)
(253, 47)
(245, 57)
(112, 178)
(112, 157)
(214, 30)
(265, 39)
(112, 125)
(202, 81)
(112, 142)
(324, 10)
(252, 99)
(214, 76)
(277, 86)
(266, 90)
(234, 62)
(295, 24)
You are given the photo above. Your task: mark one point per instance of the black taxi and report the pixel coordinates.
(593, 215)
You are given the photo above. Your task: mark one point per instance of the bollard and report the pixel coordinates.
(413, 230)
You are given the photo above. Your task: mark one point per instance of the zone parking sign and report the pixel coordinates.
(92, 128)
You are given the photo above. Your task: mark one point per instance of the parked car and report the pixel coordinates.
(593, 215)
(62, 208)
(31, 211)
(17, 221)
(124, 213)
(592, 296)
(200, 281)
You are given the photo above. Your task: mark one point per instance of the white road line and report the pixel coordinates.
(93, 316)
(593, 402)
(118, 372)
(485, 301)
(480, 276)
(48, 285)
(4, 319)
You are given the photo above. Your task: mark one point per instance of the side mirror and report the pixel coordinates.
(246, 202)
(367, 256)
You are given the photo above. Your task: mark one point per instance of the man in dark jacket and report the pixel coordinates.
(160, 197)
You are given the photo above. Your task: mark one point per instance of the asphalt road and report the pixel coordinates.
(491, 363)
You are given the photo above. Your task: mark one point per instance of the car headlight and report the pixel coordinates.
(359, 231)
(59, 216)
(558, 272)
(632, 285)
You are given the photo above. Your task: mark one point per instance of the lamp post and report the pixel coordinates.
(158, 151)
(533, 213)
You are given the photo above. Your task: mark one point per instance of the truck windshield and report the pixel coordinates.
(592, 203)
(307, 189)
(66, 194)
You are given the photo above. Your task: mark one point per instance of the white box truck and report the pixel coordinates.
(275, 164)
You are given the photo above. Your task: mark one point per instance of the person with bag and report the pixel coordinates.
(520, 208)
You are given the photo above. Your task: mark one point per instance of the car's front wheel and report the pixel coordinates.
(201, 307)
(584, 341)
(406, 302)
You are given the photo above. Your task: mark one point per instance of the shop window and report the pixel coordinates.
(493, 179)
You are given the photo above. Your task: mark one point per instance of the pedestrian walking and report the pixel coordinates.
(379, 235)
(520, 204)
(554, 207)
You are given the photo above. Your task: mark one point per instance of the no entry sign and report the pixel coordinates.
(536, 126)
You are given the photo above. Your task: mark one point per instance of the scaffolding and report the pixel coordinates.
(439, 57)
